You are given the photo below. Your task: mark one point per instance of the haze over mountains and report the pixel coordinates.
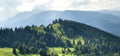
(104, 21)
(116, 13)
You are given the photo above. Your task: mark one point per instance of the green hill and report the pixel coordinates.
(83, 39)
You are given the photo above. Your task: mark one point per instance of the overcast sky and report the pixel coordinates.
(9, 8)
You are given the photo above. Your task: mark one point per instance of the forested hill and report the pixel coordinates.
(61, 33)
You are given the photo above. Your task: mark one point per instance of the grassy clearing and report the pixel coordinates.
(8, 52)
(58, 50)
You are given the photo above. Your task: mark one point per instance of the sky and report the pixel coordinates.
(9, 8)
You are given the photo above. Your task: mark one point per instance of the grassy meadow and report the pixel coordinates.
(58, 50)
(8, 52)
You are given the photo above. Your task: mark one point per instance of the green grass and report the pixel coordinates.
(8, 52)
(58, 50)
(79, 38)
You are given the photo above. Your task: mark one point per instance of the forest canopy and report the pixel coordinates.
(85, 39)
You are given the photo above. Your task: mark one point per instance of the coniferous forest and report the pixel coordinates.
(85, 40)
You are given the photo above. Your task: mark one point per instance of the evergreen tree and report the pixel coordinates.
(15, 52)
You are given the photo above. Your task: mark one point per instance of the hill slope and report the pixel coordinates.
(61, 33)
(106, 22)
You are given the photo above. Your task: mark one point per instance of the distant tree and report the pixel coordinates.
(63, 51)
(79, 43)
(74, 42)
(15, 52)
(43, 52)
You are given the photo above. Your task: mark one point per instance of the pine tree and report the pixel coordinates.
(15, 52)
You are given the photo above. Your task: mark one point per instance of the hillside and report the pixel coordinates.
(104, 21)
(84, 39)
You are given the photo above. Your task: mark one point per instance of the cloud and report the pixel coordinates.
(30, 5)
(9, 8)
(7, 13)
(78, 3)
(60, 4)
(95, 4)
(9, 3)
(1, 9)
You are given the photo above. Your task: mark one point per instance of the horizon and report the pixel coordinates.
(10, 8)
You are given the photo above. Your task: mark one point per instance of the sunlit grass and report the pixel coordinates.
(58, 50)
(8, 52)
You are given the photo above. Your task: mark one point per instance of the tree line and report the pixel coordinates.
(85, 40)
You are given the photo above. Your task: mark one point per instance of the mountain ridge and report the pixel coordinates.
(93, 18)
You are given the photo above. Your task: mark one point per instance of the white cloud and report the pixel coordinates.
(29, 5)
(95, 5)
(61, 4)
(94, 1)
(1, 9)
(9, 8)
(7, 13)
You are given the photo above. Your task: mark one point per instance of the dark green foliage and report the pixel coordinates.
(61, 33)
(15, 52)
(43, 52)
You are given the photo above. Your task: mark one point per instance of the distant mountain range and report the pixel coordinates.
(104, 21)
(116, 13)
